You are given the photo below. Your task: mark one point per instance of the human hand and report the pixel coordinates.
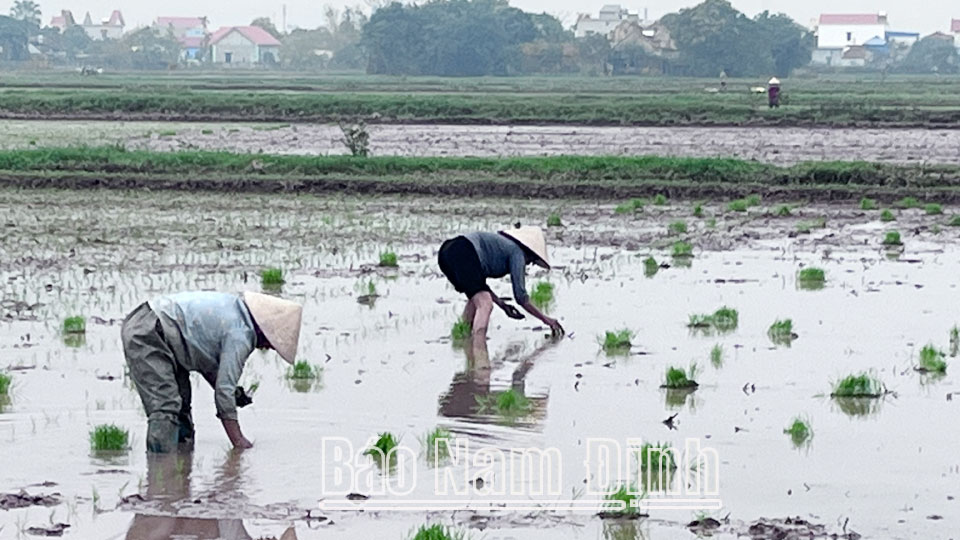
(555, 328)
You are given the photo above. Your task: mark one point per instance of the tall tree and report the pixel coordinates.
(790, 44)
(932, 54)
(27, 11)
(267, 24)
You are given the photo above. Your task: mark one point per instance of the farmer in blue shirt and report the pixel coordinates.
(207, 332)
(470, 259)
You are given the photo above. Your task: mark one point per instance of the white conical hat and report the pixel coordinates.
(279, 320)
(531, 238)
(774, 82)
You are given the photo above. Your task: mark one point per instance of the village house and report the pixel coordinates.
(190, 32)
(109, 28)
(842, 39)
(955, 30)
(610, 17)
(654, 40)
(244, 45)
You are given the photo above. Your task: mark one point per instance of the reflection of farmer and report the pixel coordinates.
(469, 260)
(773, 92)
(210, 333)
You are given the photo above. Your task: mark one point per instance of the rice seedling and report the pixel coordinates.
(698, 210)
(712, 223)
(678, 227)
(811, 278)
(784, 210)
(75, 325)
(933, 209)
(887, 216)
(892, 238)
(954, 221)
(716, 356)
(781, 332)
(807, 227)
(461, 330)
(542, 294)
(724, 319)
(650, 267)
(388, 259)
(800, 432)
(271, 277)
(932, 360)
(167, 133)
(656, 456)
(383, 449)
(303, 370)
(679, 378)
(868, 204)
(109, 438)
(617, 341)
(437, 532)
(509, 404)
(5, 382)
(631, 206)
(436, 444)
(553, 220)
(682, 250)
(660, 199)
(739, 205)
(753, 200)
(206, 132)
(954, 341)
(629, 496)
(908, 202)
(861, 385)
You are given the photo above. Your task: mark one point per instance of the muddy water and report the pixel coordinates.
(775, 145)
(887, 466)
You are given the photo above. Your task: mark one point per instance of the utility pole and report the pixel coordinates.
(284, 24)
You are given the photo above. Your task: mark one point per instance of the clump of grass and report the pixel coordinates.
(716, 355)
(631, 206)
(271, 277)
(954, 341)
(698, 210)
(617, 341)
(682, 250)
(650, 267)
(807, 226)
(510, 404)
(5, 382)
(784, 210)
(753, 200)
(954, 221)
(437, 532)
(388, 259)
(437, 451)
(381, 450)
(168, 133)
(908, 202)
(678, 227)
(868, 204)
(892, 238)
(861, 385)
(206, 132)
(461, 330)
(933, 209)
(75, 325)
(800, 432)
(656, 456)
(679, 378)
(303, 370)
(553, 220)
(887, 216)
(542, 294)
(660, 199)
(109, 438)
(739, 205)
(811, 278)
(712, 223)
(932, 360)
(628, 495)
(781, 332)
(724, 319)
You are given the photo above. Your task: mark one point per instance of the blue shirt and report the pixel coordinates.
(500, 256)
(216, 337)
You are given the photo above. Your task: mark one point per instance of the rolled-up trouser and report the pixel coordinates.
(163, 385)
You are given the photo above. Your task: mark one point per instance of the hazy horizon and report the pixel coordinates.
(904, 16)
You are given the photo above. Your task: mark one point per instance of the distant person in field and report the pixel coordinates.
(210, 333)
(773, 92)
(470, 259)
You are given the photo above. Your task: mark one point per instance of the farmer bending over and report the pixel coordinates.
(207, 332)
(469, 260)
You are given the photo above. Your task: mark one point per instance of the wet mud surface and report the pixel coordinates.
(885, 468)
(767, 144)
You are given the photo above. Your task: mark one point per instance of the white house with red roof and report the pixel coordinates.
(845, 30)
(62, 21)
(955, 30)
(191, 32)
(244, 45)
(109, 28)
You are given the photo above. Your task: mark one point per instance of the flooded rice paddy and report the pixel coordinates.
(768, 144)
(885, 468)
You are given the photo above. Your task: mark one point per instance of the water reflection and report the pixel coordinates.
(678, 398)
(622, 530)
(859, 406)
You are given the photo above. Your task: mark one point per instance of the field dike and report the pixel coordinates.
(544, 177)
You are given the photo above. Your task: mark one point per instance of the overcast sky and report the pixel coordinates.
(925, 16)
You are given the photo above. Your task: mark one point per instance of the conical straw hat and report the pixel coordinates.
(279, 320)
(532, 239)
(774, 82)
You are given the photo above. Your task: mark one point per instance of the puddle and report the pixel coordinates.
(389, 366)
